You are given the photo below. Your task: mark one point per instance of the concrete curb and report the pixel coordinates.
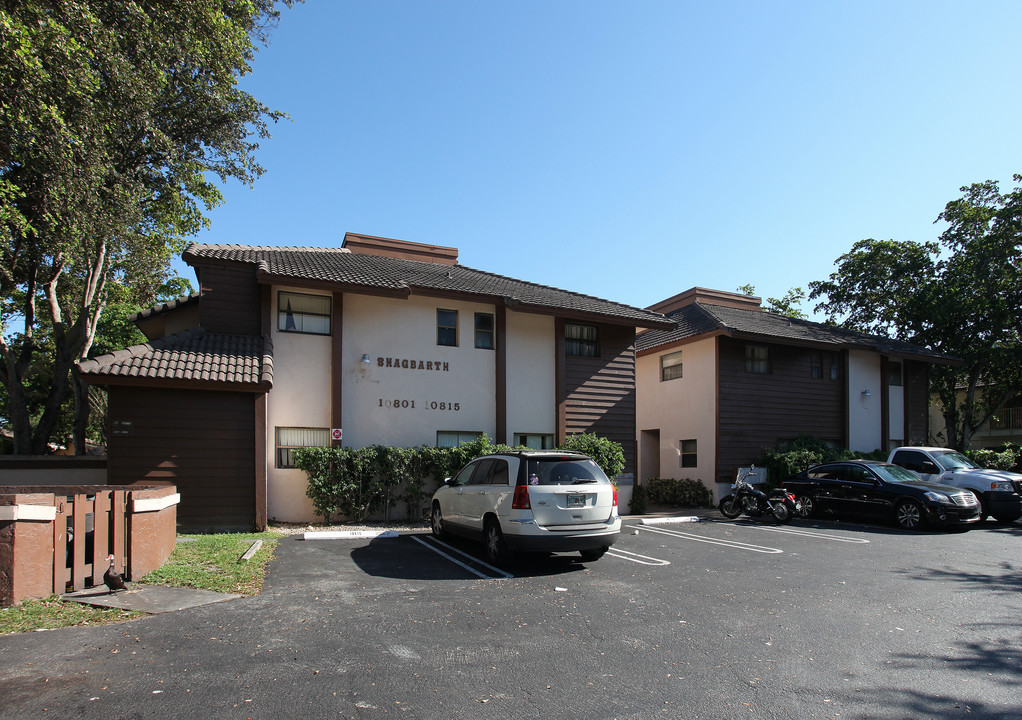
(667, 520)
(348, 534)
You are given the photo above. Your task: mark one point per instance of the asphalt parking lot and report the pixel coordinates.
(704, 620)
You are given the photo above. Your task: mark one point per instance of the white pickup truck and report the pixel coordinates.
(998, 491)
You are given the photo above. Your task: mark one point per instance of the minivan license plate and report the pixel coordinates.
(576, 501)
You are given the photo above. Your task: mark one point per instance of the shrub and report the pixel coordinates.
(803, 452)
(680, 493)
(637, 505)
(1007, 458)
(608, 454)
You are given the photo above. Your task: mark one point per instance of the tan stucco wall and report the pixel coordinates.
(681, 409)
(450, 388)
(864, 413)
(300, 398)
(387, 401)
(531, 379)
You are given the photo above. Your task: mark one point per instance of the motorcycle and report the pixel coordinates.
(746, 498)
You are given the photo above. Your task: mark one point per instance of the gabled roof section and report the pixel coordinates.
(175, 304)
(372, 274)
(191, 358)
(701, 318)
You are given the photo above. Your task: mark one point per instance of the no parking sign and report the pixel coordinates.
(336, 434)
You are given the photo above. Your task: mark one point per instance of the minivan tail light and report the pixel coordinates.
(520, 501)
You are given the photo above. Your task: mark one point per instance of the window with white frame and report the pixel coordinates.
(670, 366)
(816, 364)
(689, 456)
(301, 313)
(894, 375)
(289, 439)
(536, 441)
(484, 331)
(454, 438)
(447, 327)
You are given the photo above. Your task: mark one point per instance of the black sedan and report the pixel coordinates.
(880, 491)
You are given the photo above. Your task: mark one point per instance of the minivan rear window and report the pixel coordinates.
(564, 471)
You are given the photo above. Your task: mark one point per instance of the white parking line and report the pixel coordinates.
(496, 571)
(635, 557)
(711, 541)
(810, 533)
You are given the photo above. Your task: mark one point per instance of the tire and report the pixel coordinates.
(436, 522)
(807, 506)
(730, 507)
(781, 512)
(909, 515)
(593, 555)
(496, 547)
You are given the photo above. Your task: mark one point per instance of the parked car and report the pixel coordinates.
(881, 491)
(530, 501)
(997, 490)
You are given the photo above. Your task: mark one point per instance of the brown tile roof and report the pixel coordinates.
(165, 307)
(701, 318)
(355, 271)
(189, 358)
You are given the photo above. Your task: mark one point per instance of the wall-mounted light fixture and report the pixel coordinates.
(865, 393)
(365, 358)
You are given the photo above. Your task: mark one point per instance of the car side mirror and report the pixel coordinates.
(447, 481)
(929, 468)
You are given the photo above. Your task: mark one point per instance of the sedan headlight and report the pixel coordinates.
(938, 497)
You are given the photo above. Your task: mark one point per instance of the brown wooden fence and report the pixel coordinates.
(57, 539)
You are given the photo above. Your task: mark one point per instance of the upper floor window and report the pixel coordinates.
(894, 373)
(816, 365)
(757, 359)
(447, 327)
(670, 366)
(301, 313)
(581, 340)
(484, 331)
(835, 366)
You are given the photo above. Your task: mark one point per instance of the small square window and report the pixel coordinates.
(670, 366)
(301, 313)
(689, 456)
(581, 340)
(757, 359)
(447, 327)
(484, 331)
(290, 439)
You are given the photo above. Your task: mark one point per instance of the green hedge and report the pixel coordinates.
(1009, 457)
(679, 493)
(355, 483)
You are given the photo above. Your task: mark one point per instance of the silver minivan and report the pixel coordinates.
(530, 501)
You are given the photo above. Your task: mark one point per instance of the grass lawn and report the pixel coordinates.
(207, 562)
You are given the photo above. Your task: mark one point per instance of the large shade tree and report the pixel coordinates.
(117, 120)
(961, 295)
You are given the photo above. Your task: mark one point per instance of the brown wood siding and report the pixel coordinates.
(202, 441)
(231, 300)
(599, 393)
(917, 403)
(759, 410)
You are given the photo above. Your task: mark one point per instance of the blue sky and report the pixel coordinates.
(630, 150)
